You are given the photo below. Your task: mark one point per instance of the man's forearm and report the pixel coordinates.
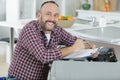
(67, 51)
(77, 46)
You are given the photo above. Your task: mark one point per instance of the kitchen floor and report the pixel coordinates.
(3, 59)
(3, 69)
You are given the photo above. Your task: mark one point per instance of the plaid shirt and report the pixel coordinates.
(33, 53)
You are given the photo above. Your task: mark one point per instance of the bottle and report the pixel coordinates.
(86, 5)
(102, 22)
(107, 6)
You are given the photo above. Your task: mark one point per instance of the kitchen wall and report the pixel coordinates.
(4, 32)
(2, 10)
(27, 9)
(38, 3)
(71, 7)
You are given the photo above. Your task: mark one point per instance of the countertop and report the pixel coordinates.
(78, 26)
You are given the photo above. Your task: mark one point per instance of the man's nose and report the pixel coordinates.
(52, 18)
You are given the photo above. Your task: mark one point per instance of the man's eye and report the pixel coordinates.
(56, 15)
(48, 14)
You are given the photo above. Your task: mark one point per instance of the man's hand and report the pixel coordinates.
(78, 45)
(91, 46)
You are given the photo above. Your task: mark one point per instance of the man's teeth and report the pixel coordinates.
(50, 23)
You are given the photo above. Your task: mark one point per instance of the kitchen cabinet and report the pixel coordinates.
(100, 5)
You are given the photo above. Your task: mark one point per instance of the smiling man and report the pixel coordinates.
(37, 45)
(49, 16)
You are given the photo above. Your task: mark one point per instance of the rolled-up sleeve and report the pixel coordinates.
(66, 38)
(33, 42)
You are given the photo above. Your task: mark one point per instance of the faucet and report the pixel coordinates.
(89, 20)
(94, 21)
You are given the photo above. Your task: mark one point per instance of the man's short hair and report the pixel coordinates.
(53, 2)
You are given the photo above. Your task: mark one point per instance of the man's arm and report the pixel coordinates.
(77, 46)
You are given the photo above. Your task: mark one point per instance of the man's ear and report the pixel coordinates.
(38, 14)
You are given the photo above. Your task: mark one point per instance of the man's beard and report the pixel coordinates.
(45, 27)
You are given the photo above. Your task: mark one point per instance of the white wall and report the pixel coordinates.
(71, 7)
(2, 10)
(12, 10)
(4, 32)
(27, 9)
(38, 3)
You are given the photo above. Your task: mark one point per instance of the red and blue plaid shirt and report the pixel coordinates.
(33, 52)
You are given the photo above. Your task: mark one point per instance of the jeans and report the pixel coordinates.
(10, 77)
(2, 78)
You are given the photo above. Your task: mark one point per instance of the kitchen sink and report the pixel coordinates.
(108, 34)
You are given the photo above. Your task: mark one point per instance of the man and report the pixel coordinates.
(37, 45)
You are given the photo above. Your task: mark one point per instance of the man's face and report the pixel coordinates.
(49, 16)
